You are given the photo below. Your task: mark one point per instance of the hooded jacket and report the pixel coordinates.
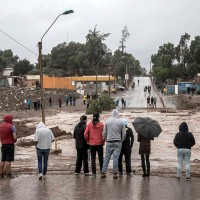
(94, 133)
(79, 135)
(114, 129)
(184, 139)
(7, 130)
(43, 136)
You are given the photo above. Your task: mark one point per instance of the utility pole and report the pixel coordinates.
(126, 76)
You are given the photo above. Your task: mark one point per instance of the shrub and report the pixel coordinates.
(103, 103)
(198, 92)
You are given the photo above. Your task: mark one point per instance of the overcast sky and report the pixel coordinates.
(150, 23)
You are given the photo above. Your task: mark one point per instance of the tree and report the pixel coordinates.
(96, 48)
(183, 55)
(22, 67)
(195, 50)
(7, 59)
(125, 36)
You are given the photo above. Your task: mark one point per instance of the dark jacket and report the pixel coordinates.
(6, 135)
(145, 145)
(129, 139)
(79, 135)
(184, 139)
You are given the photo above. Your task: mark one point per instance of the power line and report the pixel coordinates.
(18, 42)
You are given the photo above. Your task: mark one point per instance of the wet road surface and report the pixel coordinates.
(137, 97)
(59, 187)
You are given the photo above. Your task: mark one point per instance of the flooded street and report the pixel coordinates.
(63, 184)
(70, 187)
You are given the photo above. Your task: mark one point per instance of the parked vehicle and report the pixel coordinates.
(119, 87)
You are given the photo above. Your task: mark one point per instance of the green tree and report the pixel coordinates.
(183, 55)
(195, 50)
(96, 48)
(7, 59)
(22, 67)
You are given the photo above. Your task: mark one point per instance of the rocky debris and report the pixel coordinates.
(15, 98)
(185, 102)
(23, 131)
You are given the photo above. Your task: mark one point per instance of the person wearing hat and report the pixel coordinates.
(114, 134)
(8, 137)
(126, 150)
(94, 137)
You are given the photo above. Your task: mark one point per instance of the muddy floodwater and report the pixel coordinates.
(61, 182)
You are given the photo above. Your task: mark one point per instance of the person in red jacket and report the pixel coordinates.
(8, 138)
(94, 137)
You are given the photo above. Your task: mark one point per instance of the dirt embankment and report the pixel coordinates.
(15, 98)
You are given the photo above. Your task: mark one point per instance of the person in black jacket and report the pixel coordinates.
(183, 141)
(126, 150)
(81, 146)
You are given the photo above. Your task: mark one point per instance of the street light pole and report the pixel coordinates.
(97, 69)
(41, 68)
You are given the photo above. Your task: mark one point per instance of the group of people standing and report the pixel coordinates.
(119, 140)
(115, 132)
(151, 102)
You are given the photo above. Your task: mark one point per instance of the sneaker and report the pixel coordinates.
(147, 175)
(115, 176)
(44, 176)
(144, 175)
(103, 175)
(76, 173)
(40, 177)
(121, 173)
(188, 178)
(88, 174)
(129, 175)
(178, 177)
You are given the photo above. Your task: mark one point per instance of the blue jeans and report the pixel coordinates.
(42, 154)
(183, 155)
(112, 148)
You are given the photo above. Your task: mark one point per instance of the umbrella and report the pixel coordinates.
(147, 127)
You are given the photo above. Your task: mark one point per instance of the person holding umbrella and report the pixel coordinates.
(147, 129)
(183, 141)
(144, 151)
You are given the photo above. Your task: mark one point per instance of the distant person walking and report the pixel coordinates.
(74, 100)
(114, 134)
(123, 103)
(148, 101)
(70, 99)
(8, 137)
(60, 102)
(126, 150)
(67, 100)
(152, 101)
(155, 102)
(50, 101)
(81, 146)
(183, 141)
(29, 103)
(94, 137)
(138, 81)
(145, 151)
(43, 139)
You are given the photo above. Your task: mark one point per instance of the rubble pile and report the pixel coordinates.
(185, 102)
(23, 131)
(16, 98)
